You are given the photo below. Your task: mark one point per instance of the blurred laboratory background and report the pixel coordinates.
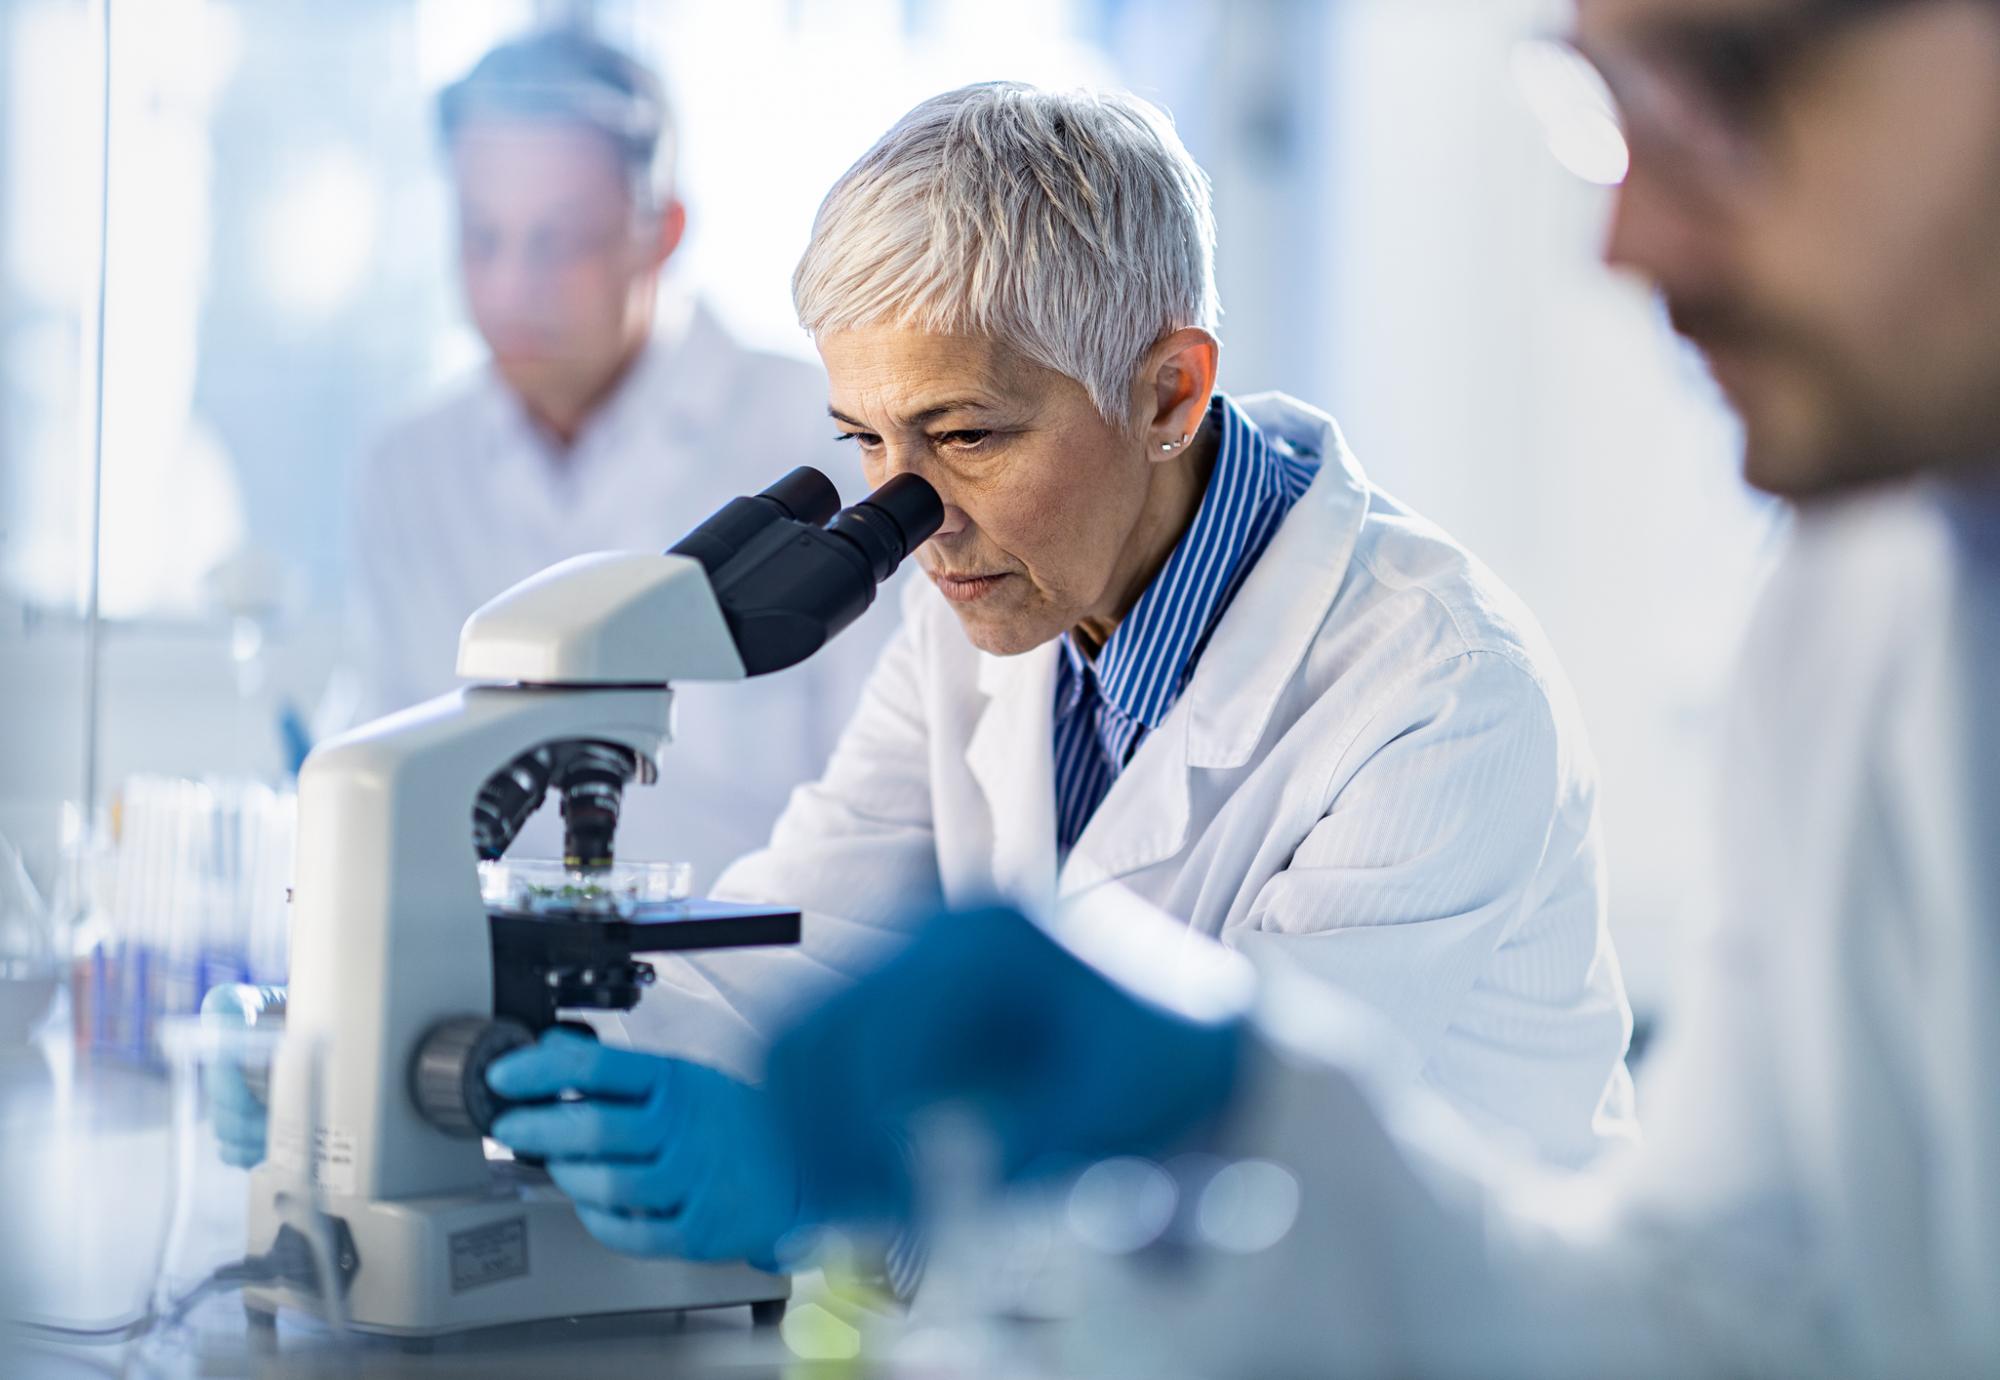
(226, 265)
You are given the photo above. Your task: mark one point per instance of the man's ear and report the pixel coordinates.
(667, 237)
(1175, 384)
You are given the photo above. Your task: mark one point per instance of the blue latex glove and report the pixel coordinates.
(988, 1011)
(238, 1115)
(662, 1157)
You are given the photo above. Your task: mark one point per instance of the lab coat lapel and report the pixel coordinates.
(691, 372)
(1252, 657)
(1144, 817)
(646, 461)
(1012, 759)
(1284, 603)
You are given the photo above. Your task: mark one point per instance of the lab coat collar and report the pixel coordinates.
(1264, 638)
(689, 366)
(679, 383)
(1252, 656)
(1145, 665)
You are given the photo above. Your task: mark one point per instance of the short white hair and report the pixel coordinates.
(1072, 227)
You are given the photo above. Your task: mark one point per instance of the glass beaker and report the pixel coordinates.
(30, 963)
(246, 1208)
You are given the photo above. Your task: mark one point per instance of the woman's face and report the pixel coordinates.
(1049, 509)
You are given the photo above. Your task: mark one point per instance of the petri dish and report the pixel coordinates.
(544, 886)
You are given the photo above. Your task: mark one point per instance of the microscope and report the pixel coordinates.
(409, 978)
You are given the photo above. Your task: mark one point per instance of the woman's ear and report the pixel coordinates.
(1176, 384)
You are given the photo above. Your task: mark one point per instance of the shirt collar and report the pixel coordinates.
(1152, 653)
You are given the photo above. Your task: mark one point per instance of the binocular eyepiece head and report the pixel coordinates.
(790, 569)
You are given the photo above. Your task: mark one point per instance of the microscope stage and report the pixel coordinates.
(551, 958)
(652, 927)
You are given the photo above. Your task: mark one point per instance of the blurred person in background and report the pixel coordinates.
(1814, 190)
(611, 417)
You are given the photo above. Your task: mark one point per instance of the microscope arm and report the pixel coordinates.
(761, 586)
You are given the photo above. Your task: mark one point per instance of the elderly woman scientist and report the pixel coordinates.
(1169, 639)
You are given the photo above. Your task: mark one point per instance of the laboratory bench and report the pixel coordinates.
(89, 1193)
(89, 1188)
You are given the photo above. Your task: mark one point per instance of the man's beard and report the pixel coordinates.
(1852, 443)
(1862, 434)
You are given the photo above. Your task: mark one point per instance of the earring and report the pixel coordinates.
(1169, 447)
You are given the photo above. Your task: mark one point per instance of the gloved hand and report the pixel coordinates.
(989, 1011)
(663, 1157)
(238, 1114)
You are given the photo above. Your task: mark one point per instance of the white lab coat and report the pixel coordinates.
(470, 497)
(1820, 1190)
(1377, 768)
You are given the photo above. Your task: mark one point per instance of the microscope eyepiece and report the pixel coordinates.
(891, 523)
(806, 495)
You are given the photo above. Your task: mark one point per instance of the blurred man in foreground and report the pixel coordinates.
(1815, 190)
(611, 417)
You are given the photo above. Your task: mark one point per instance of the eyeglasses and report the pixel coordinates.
(1695, 94)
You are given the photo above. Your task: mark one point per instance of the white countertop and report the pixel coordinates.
(86, 1194)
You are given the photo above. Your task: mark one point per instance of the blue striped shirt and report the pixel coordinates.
(1105, 709)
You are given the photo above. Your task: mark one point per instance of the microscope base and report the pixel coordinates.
(426, 1267)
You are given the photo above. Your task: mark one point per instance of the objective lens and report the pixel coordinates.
(592, 780)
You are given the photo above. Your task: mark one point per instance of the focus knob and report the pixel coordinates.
(448, 1075)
